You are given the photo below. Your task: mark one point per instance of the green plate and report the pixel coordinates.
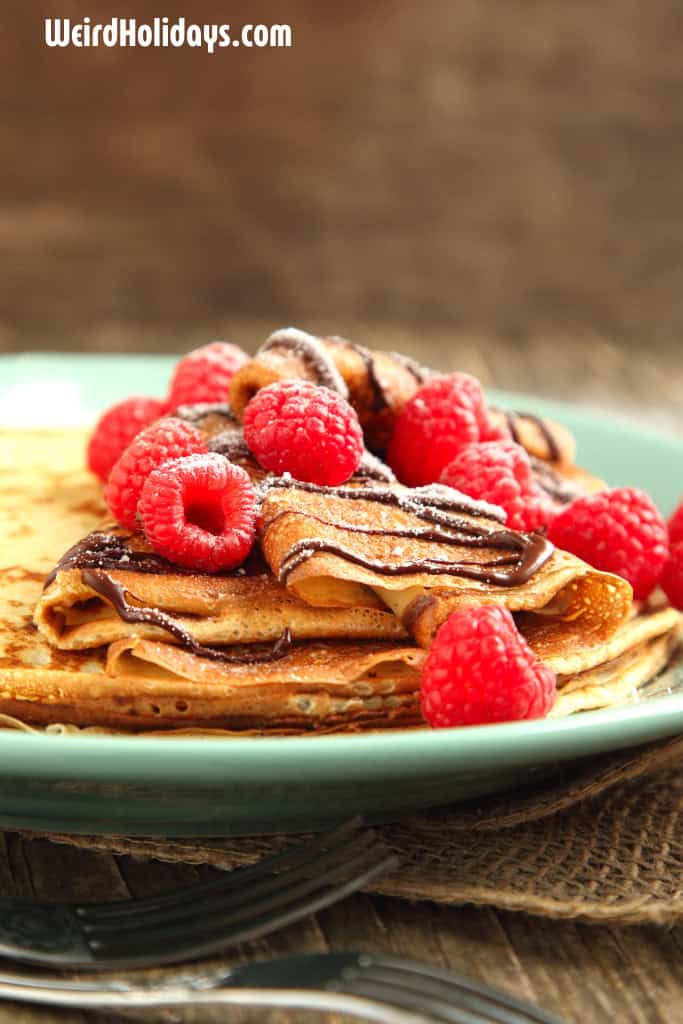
(220, 787)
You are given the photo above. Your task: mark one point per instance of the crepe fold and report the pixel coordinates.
(613, 673)
(377, 384)
(543, 438)
(78, 609)
(429, 552)
(145, 684)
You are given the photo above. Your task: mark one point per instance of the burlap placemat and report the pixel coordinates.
(603, 844)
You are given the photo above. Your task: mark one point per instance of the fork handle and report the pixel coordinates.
(92, 998)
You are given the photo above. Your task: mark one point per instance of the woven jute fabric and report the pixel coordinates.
(603, 844)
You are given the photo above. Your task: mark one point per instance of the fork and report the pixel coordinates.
(199, 920)
(374, 988)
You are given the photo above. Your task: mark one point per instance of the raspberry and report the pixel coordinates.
(311, 432)
(168, 439)
(500, 472)
(443, 416)
(481, 669)
(199, 512)
(676, 525)
(672, 576)
(618, 531)
(116, 428)
(204, 375)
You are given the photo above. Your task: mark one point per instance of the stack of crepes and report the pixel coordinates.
(325, 627)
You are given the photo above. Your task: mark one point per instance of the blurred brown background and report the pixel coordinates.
(484, 178)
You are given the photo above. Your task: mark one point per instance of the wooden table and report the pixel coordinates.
(584, 972)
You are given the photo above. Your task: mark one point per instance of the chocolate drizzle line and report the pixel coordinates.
(194, 414)
(420, 373)
(109, 551)
(379, 396)
(231, 444)
(553, 483)
(528, 551)
(512, 420)
(312, 352)
(372, 468)
(114, 592)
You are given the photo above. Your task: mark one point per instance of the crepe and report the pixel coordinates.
(620, 679)
(144, 684)
(428, 552)
(377, 384)
(351, 665)
(241, 608)
(543, 438)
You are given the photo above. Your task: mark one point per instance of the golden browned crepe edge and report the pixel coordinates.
(214, 610)
(565, 589)
(315, 685)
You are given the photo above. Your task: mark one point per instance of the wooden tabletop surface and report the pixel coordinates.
(584, 972)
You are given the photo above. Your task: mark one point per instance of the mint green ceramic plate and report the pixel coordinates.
(237, 786)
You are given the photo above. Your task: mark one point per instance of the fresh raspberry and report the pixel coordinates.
(204, 375)
(116, 428)
(199, 512)
(311, 432)
(168, 439)
(500, 472)
(443, 416)
(676, 525)
(618, 531)
(672, 576)
(481, 669)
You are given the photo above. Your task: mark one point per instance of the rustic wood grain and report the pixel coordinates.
(583, 972)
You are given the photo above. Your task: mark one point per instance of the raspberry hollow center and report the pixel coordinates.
(207, 516)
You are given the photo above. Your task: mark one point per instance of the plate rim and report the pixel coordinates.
(391, 753)
(522, 743)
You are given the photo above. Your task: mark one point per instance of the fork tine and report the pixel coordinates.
(281, 909)
(407, 999)
(430, 975)
(236, 878)
(229, 900)
(253, 928)
(427, 980)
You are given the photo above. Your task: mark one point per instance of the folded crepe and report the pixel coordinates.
(543, 438)
(126, 642)
(145, 684)
(428, 552)
(377, 384)
(614, 673)
(111, 584)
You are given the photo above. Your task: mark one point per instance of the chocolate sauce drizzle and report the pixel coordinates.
(114, 592)
(372, 468)
(194, 414)
(436, 507)
(231, 444)
(420, 373)
(109, 551)
(512, 420)
(379, 396)
(558, 488)
(311, 350)
(100, 550)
